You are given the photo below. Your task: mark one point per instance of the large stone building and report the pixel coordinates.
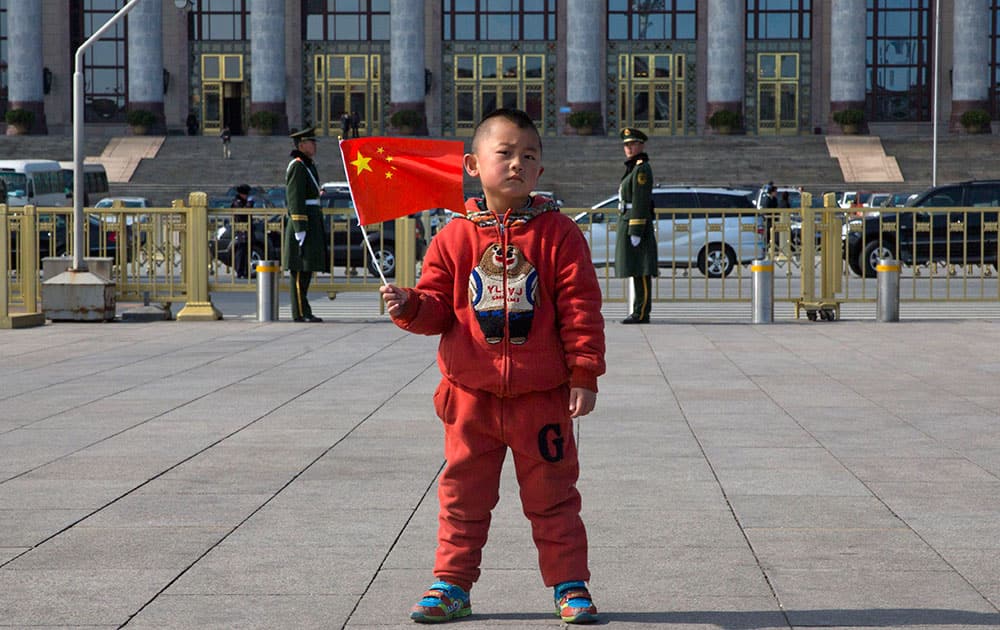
(661, 65)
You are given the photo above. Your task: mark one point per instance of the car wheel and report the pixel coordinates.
(716, 260)
(870, 256)
(384, 259)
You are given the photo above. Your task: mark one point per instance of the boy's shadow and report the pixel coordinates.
(761, 619)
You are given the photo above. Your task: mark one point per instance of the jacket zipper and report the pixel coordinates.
(503, 228)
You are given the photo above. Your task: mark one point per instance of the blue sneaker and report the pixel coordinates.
(573, 603)
(442, 602)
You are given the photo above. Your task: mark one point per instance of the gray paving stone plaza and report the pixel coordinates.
(235, 474)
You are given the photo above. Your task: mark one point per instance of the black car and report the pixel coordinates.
(54, 235)
(343, 235)
(917, 237)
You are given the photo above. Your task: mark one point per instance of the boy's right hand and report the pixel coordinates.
(394, 298)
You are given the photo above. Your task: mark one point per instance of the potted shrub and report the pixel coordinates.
(584, 121)
(975, 121)
(849, 120)
(264, 122)
(20, 120)
(723, 121)
(405, 121)
(140, 120)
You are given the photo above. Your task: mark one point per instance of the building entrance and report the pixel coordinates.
(485, 82)
(348, 83)
(651, 92)
(777, 93)
(222, 94)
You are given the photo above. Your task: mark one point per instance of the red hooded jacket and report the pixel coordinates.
(547, 332)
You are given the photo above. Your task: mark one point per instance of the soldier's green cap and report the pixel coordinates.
(306, 134)
(628, 134)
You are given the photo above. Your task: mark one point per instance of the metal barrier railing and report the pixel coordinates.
(185, 252)
(704, 253)
(821, 258)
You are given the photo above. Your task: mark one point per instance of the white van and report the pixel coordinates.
(95, 181)
(33, 182)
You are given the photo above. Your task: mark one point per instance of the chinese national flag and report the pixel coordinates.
(394, 177)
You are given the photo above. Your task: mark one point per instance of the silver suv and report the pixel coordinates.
(713, 228)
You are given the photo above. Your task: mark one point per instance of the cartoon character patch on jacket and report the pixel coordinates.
(486, 288)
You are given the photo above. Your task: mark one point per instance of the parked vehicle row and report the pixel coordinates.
(715, 241)
(344, 237)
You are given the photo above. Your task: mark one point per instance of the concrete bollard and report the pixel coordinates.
(887, 302)
(268, 274)
(763, 291)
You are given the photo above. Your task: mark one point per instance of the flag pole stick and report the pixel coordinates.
(364, 234)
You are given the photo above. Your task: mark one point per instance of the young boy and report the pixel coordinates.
(513, 293)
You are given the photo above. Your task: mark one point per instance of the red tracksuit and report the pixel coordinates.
(518, 306)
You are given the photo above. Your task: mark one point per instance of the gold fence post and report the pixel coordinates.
(28, 265)
(8, 319)
(199, 306)
(406, 252)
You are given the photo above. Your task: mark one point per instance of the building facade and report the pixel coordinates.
(664, 66)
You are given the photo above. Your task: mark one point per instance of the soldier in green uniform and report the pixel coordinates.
(305, 241)
(635, 244)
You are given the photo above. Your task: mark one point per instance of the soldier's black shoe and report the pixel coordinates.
(632, 319)
(298, 319)
(313, 319)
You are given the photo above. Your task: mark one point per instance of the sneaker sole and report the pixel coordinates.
(420, 617)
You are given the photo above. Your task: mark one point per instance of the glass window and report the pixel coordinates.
(499, 20)
(898, 53)
(223, 20)
(994, 58)
(652, 19)
(3, 56)
(779, 19)
(347, 20)
(105, 82)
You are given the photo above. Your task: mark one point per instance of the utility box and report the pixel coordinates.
(78, 296)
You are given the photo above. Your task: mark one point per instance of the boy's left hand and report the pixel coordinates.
(581, 401)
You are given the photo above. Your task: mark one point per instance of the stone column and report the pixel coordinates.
(267, 60)
(971, 48)
(145, 60)
(24, 63)
(847, 54)
(726, 52)
(406, 23)
(585, 57)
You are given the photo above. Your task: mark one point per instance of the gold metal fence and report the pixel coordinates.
(186, 252)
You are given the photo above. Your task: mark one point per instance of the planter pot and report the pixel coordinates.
(584, 131)
(17, 130)
(975, 129)
(850, 130)
(723, 130)
(138, 130)
(405, 130)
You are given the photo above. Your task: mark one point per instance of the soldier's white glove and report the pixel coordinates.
(300, 237)
(635, 240)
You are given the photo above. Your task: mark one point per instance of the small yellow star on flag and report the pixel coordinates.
(361, 163)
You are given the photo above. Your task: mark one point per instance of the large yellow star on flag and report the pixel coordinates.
(361, 163)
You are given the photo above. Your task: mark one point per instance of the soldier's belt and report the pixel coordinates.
(632, 222)
(300, 217)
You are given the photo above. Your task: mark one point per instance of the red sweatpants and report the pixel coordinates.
(479, 427)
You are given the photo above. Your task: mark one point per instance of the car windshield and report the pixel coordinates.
(17, 183)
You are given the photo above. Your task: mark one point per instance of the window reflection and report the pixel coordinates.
(505, 20)
(898, 59)
(650, 19)
(222, 20)
(347, 20)
(779, 19)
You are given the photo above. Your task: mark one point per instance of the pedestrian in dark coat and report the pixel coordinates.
(305, 240)
(635, 245)
(355, 123)
(345, 126)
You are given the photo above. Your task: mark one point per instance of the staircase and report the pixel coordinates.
(581, 170)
